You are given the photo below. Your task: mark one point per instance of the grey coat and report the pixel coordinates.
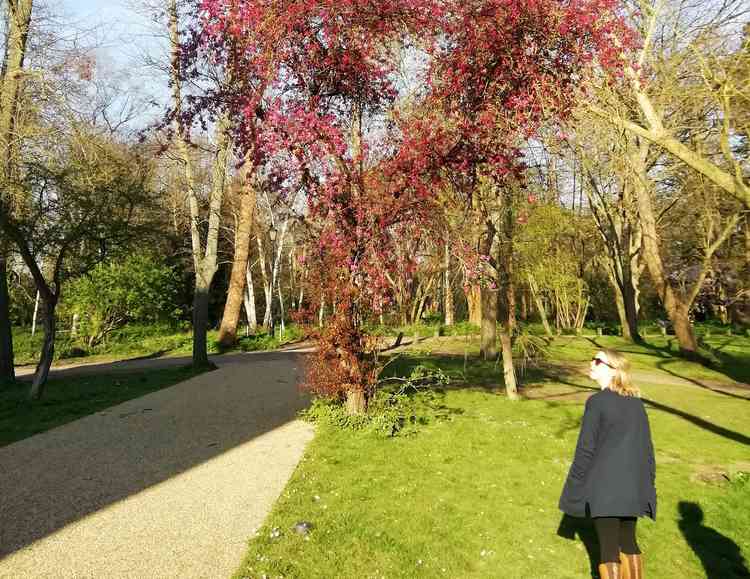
(614, 470)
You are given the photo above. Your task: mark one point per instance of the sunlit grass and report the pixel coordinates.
(476, 495)
(136, 341)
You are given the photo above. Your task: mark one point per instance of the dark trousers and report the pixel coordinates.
(616, 534)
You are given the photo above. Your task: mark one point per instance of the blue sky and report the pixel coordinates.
(121, 36)
(120, 28)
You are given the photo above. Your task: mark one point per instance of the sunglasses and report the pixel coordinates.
(598, 361)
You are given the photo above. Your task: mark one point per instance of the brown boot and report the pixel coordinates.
(609, 571)
(625, 572)
(632, 566)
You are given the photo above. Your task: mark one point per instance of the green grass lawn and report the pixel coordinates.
(68, 399)
(474, 494)
(136, 341)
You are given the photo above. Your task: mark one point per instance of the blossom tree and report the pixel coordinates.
(372, 168)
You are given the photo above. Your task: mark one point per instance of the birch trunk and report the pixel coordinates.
(267, 290)
(36, 311)
(250, 312)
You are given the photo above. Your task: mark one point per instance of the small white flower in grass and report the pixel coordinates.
(419, 562)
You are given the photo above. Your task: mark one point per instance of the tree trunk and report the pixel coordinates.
(267, 290)
(509, 373)
(18, 19)
(683, 329)
(474, 299)
(489, 324)
(48, 349)
(205, 256)
(673, 303)
(250, 311)
(36, 312)
(448, 301)
(238, 277)
(620, 303)
(524, 306)
(630, 297)
(7, 371)
(539, 305)
(355, 402)
(17, 33)
(281, 308)
(200, 321)
(507, 293)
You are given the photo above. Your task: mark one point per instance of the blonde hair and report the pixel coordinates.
(621, 381)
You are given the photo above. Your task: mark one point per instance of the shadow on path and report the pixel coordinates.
(720, 556)
(55, 478)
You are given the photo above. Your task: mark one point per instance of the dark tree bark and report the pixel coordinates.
(7, 372)
(200, 322)
(17, 32)
(49, 304)
(489, 324)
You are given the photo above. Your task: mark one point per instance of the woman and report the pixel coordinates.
(612, 475)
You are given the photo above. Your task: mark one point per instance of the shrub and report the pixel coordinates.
(398, 407)
(138, 289)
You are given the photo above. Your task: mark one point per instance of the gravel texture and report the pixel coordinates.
(172, 484)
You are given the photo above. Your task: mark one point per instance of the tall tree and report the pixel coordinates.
(496, 69)
(502, 71)
(677, 300)
(674, 42)
(607, 182)
(86, 200)
(238, 277)
(204, 245)
(17, 22)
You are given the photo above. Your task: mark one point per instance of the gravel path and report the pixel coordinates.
(172, 484)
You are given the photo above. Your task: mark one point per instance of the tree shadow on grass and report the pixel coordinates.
(720, 556)
(583, 529)
(733, 367)
(695, 420)
(480, 375)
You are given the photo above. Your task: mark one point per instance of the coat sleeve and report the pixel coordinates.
(587, 439)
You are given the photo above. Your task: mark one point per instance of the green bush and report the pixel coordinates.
(139, 289)
(394, 410)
